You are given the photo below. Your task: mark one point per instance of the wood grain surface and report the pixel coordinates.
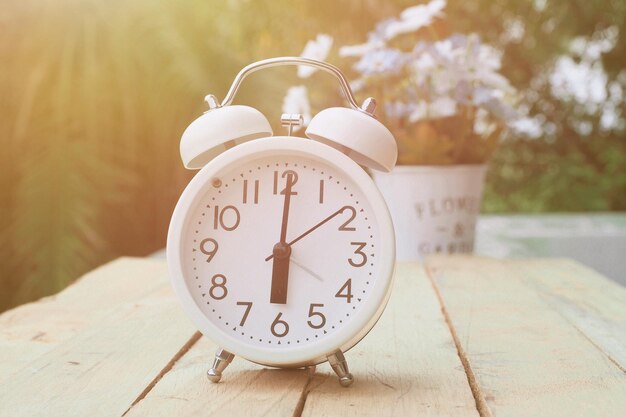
(407, 365)
(35, 328)
(527, 358)
(461, 336)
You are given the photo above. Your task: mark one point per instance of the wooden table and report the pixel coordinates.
(460, 337)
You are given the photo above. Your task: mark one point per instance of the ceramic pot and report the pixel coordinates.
(434, 208)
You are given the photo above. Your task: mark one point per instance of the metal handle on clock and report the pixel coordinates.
(367, 107)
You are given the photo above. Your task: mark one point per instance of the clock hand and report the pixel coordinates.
(327, 219)
(281, 253)
(310, 272)
(283, 227)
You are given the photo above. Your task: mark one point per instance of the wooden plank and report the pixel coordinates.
(33, 329)
(246, 389)
(104, 368)
(408, 364)
(595, 305)
(527, 359)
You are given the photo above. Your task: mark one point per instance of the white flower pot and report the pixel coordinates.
(434, 208)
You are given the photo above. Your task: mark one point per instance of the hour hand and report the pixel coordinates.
(280, 273)
(281, 253)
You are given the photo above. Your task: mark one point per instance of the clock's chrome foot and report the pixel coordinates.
(223, 358)
(340, 366)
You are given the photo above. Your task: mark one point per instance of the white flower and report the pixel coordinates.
(514, 30)
(444, 80)
(380, 29)
(482, 124)
(361, 49)
(422, 68)
(482, 95)
(441, 76)
(357, 85)
(420, 112)
(446, 50)
(582, 81)
(439, 108)
(463, 92)
(528, 126)
(494, 80)
(424, 62)
(297, 101)
(487, 99)
(592, 48)
(315, 49)
(442, 107)
(488, 57)
(415, 18)
(398, 109)
(381, 61)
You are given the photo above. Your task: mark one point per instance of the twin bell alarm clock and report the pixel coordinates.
(281, 248)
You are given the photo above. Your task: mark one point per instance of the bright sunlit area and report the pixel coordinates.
(261, 179)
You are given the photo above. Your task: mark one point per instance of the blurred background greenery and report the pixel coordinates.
(94, 96)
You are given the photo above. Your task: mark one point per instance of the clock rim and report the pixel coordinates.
(368, 314)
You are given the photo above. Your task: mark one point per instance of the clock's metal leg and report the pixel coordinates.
(340, 366)
(223, 358)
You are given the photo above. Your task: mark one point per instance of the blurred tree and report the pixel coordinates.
(94, 96)
(567, 58)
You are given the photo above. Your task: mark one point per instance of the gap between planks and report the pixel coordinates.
(593, 342)
(428, 378)
(526, 357)
(407, 365)
(479, 397)
(297, 412)
(184, 349)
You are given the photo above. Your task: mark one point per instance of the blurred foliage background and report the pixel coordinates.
(94, 96)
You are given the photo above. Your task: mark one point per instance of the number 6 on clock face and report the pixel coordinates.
(282, 251)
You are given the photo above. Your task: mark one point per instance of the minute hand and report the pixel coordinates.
(327, 219)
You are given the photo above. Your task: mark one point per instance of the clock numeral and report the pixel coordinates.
(344, 227)
(248, 305)
(222, 218)
(313, 313)
(321, 191)
(209, 252)
(347, 287)
(255, 197)
(294, 180)
(218, 290)
(358, 251)
(277, 321)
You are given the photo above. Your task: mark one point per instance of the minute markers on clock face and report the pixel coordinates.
(328, 237)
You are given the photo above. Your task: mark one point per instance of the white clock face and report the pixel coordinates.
(281, 251)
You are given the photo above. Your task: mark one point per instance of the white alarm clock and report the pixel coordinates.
(281, 249)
